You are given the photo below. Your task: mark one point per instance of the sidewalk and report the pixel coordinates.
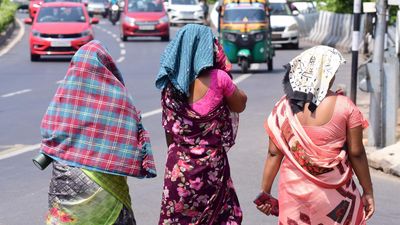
(386, 159)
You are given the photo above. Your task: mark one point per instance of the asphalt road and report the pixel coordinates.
(26, 89)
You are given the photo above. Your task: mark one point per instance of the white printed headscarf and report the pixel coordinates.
(309, 75)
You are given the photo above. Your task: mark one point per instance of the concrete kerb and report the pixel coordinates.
(7, 33)
(386, 159)
(8, 44)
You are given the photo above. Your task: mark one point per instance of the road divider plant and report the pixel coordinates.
(7, 13)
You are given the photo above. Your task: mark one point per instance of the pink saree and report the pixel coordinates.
(316, 185)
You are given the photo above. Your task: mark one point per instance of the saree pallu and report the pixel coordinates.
(315, 185)
(82, 197)
(198, 188)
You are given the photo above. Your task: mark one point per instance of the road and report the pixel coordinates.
(26, 89)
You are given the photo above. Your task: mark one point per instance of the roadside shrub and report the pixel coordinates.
(7, 13)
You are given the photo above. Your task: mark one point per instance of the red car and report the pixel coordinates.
(34, 5)
(59, 28)
(144, 18)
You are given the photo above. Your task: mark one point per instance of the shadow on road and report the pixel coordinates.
(54, 59)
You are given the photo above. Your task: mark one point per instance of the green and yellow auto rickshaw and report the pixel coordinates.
(245, 34)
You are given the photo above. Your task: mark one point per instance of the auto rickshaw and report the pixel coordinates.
(245, 32)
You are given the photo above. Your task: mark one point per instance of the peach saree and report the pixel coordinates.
(316, 185)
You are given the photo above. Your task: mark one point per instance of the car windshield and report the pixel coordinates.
(239, 15)
(280, 9)
(145, 6)
(184, 2)
(61, 14)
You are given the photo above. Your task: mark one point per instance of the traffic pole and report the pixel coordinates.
(376, 132)
(354, 49)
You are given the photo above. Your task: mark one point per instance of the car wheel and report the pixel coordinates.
(270, 64)
(244, 65)
(165, 38)
(123, 38)
(295, 45)
(35, 58)
(104, 15)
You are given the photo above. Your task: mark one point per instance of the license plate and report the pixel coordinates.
(276, 36)
(147, 27)
(60, 43)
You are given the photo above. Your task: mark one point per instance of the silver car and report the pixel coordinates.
(185, 11)
(98, 7)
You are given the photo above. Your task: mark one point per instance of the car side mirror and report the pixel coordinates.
(94, 20)
(28, 21)
(295, 12)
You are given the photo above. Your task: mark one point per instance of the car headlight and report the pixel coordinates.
(163, 19)
(230, 37)
(258, 36)
(35, 33)
(36, 5)
(86, 33)
(129, 20)
(114, 7)
(292, 27)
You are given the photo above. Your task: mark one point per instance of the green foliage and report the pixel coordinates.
(7, 13)
(336, 6)
(346, 6)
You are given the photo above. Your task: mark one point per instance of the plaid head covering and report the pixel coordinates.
(92, 123)
(193, 49)
(308, 76)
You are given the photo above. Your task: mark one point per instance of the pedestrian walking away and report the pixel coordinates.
(200, 116)
(95, 136)
(316, 144)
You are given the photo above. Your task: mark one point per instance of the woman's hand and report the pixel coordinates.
(369, 205)
(265, 208)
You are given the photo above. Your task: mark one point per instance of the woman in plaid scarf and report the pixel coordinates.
(94, 134)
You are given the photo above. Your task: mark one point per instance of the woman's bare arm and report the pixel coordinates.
(237, 101)
(271, 168)
(359, 162)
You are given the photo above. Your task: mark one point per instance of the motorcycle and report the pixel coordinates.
(114, 13)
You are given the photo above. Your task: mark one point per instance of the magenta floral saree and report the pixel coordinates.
(197, 185)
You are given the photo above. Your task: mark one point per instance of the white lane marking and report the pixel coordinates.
(17, 151)
(120, 59)
(16, 39)
(121, 45)
(16, 93)
(151, 113)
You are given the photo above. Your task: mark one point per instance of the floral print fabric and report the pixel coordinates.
(198, 188)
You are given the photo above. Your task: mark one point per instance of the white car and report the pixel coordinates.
(184, 11)
(285, 30)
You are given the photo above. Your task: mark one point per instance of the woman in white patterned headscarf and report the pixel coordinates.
(316, 143)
